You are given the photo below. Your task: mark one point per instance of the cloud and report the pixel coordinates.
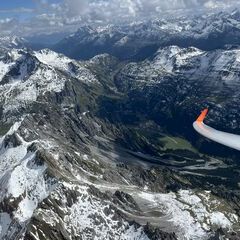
(17, 10)
(111, 10)
(68, 15)
(214, 4)
(76, 7)
(8, 26)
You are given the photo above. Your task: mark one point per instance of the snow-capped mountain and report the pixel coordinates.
(139, 40)
(194, 63)
(12, 42)
(209, 77)
(76, 158)
(26, 76)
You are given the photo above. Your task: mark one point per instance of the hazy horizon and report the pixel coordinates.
(27, 18)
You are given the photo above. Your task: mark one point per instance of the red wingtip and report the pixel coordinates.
(202, 115)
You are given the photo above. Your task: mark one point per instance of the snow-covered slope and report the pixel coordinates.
(26, 75)
(12, 42)
(23, 178)
(65, 174)
(69, 66)
(221, 65)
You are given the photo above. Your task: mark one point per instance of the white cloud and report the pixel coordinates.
(5, 20)
(17, 10)
(71, 13)
(76, 7)
(215, 4)
(117, 9)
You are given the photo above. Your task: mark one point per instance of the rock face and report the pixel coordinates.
(103, 149)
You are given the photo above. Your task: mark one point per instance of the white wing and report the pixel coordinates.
(227, 139)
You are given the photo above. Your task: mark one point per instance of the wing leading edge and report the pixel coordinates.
(227, 139)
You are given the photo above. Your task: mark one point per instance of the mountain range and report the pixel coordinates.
(139, 40)
(96, 137)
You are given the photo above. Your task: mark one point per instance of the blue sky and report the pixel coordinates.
(16, 3)
(10, 4)
(22, 9)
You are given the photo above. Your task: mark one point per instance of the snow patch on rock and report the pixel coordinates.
(192, 214)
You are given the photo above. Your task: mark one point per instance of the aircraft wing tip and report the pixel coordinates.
(202, 115)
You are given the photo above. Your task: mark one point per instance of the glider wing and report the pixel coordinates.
(227, 139)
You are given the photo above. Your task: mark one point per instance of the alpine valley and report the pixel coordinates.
(96, 137)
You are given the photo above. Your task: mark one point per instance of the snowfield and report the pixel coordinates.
(62, 63)
(192, 214)
(22, 179)
(104, 223)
